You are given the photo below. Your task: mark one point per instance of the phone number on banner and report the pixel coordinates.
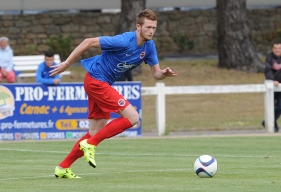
(70, 124)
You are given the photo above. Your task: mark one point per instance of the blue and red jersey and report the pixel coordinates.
(120, 53)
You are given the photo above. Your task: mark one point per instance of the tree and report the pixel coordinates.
(235, 48)
(127, 21)
(129, 11)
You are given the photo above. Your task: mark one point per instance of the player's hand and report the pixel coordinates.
(276, 83)
(57, 69)
(168, 72)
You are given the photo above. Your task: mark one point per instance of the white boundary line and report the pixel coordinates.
(133, 154)
(116, 172)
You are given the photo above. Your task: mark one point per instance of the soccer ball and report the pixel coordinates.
(205, 166)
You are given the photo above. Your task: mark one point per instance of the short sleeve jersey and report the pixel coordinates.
(120, 53)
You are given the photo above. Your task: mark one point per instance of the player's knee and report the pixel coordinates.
(93, 131)
(134, 118)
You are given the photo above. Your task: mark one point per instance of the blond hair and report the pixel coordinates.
(146, 14)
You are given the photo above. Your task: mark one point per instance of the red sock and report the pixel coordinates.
(111, 129)
(74, 154)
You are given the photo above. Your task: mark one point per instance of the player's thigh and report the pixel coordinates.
(107, 98)
(94, 90)
(130, 113)
(95, 111)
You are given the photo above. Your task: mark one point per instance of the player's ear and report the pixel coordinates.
(138, 26)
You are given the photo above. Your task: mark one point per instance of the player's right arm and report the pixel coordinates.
(76, 53)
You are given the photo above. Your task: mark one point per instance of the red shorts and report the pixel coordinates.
(102, 98)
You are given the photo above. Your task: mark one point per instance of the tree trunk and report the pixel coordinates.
(127, 21)
(235, 48)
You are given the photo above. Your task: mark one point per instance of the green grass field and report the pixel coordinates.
(146, 164)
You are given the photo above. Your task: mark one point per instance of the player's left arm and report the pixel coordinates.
(160, 74)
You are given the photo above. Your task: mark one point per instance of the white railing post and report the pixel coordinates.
(269, 106)
(160, 108)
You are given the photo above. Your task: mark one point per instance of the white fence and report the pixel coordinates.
(160, 90)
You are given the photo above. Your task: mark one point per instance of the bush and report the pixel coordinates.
(60, 45)
(183, 41)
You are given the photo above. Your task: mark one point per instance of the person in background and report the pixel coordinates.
(127, 76)
(6, 61)
(42, 73)
(272, 72)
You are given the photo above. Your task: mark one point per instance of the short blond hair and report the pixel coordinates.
(146, 14)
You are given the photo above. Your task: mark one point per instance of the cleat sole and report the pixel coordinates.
(92, 165)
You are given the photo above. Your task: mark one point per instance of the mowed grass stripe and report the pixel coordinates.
(85, 174)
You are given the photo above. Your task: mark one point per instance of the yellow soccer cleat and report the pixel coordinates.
(65, 173)
(89, 152)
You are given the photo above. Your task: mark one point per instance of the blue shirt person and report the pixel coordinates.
(127, 76)
(42, 73)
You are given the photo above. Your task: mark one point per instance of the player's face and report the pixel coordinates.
(148, 29)
(49, 61)
(276, 49)
(3, 44)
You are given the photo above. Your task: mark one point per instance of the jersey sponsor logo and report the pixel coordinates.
(121, 102)
(142, 55)
(122, 67)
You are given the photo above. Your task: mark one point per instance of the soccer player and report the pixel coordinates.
(120, 53)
